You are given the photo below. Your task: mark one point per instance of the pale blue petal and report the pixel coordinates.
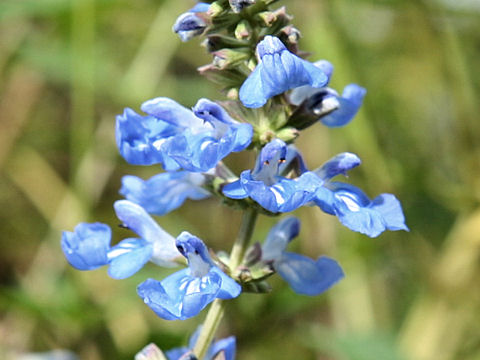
(306, 276)
(228, 345)
(127, 257)
(229, 288)
(337, 165)
(391, 210)
(86, 248)
(164, 192)
(177, 353)
(301, 93)
(357, 212)
(251, 92)
(139, 139)
(154, 295)
(278, 71)
(137, 219)
(168, 110)
(234, 190)
(200, 7)
(350, 102)
(279, 237)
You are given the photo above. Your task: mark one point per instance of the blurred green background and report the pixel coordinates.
(67, 67)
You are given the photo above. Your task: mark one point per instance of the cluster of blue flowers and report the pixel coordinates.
(190, 146)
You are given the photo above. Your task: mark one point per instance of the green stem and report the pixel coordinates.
(215, 313)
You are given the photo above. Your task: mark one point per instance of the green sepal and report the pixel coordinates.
(288, 134)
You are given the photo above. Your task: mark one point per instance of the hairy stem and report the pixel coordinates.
(215, 313)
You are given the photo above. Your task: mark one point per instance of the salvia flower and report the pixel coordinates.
(185, 293)
(88, 247)
(191, 24)
(325, 104)
(304, 275)
(176, 137)
(227, 346)
(278, 70)
(266, 186)
(350, 204)
(164, 192)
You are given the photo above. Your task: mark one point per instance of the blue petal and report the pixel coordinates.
(234, 190)
(139, 139)
(177, 353)
(86, 248)
(283, 196)
(391, 210)
(200, 7)
(325, 199)
(357, 212)
(127, 257)
(306, 276)
(279, 70)
(164, 192)
(301, 93)
(202, 151)
(350, 102)
(228, 345)
(279, 237)
(137, 219)
(252, 93)
(168, 110)
(154, 295)
(229, 288)
(337, 165)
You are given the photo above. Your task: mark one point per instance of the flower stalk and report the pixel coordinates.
(216, 311)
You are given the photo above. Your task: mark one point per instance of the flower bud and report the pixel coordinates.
(239, 5)
(290, 36)
(190, 24)
(278, 18)
(243, 30)
(288, 134)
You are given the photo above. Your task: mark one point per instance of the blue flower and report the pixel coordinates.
(88, 247)
(227, 346)
(176, 137)
(357, 212)
(185, 293)
(278, 71)
(304, 275)
(332, 109)
(267, 187)
(350, 204)
(164, 192)
(190, 23)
